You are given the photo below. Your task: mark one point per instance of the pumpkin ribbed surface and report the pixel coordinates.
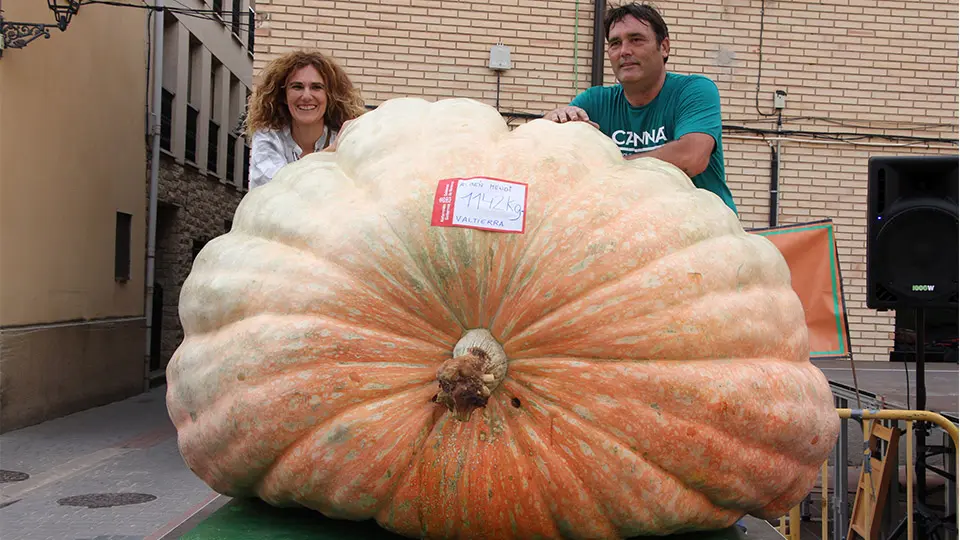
(656, 376)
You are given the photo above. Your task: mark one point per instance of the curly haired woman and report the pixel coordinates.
(302, 101)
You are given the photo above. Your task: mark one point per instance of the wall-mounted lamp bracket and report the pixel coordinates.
(16, 35)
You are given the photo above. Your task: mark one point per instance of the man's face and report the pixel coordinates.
(634, 53)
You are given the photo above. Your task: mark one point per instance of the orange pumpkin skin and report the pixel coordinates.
(658, 378)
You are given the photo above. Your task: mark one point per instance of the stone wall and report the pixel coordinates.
(193, 208)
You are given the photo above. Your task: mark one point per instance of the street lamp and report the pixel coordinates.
(63, 11)
(16, 35)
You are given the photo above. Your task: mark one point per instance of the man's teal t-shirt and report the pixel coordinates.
(685, 104)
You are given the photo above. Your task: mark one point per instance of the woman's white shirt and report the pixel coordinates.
(272, 149)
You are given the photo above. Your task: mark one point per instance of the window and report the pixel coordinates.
(121, 253)
(251, 20)
(213, 137)
(246, 167)
(236, 108)
(190, 152)
(213, 144)
(166, 119)
(231, 157)
(218, 8)
(235, 18)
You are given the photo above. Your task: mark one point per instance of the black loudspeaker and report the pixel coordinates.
(912, 232)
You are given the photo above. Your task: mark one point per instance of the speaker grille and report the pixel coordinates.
(919, 254)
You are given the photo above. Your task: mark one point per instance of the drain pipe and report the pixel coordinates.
(775, 174)
(154, 180)
(774, 182)
(596, 75)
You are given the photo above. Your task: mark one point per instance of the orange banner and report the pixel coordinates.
(810, 250)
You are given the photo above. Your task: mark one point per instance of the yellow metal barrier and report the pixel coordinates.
(790, 528)
(914, 416)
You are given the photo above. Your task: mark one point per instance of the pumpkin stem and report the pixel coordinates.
(469, 378)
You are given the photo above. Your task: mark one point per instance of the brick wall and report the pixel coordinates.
(864, 66)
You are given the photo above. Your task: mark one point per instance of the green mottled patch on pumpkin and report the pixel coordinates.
(443, 275)
(464, 253)
(580, 266)
(339, 434)
(461, 467)
(367, 502)
(416, 284)
(583, 412)
(566, 529)
(529, 275)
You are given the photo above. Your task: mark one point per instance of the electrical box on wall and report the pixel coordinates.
(780, 99)
(499, 57)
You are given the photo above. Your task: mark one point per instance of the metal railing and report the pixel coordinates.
(789, 525)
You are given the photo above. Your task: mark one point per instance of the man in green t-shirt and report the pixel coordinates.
(653, 112)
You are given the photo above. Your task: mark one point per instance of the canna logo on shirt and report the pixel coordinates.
(629, 141)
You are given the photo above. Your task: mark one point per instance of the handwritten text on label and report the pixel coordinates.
(481, 203)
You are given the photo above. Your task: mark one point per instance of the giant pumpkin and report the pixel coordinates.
(632, 363)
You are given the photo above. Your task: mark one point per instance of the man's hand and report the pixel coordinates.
(570, 114)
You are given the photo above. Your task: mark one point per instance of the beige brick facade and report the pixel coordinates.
(848, 66)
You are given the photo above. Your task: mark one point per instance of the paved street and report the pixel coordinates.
(108, 473)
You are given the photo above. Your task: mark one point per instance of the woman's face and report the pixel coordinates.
(306, 96)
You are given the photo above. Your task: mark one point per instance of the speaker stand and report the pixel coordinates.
(927, 522)
(921, 427)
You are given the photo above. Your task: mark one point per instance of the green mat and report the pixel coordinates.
(249, 519)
